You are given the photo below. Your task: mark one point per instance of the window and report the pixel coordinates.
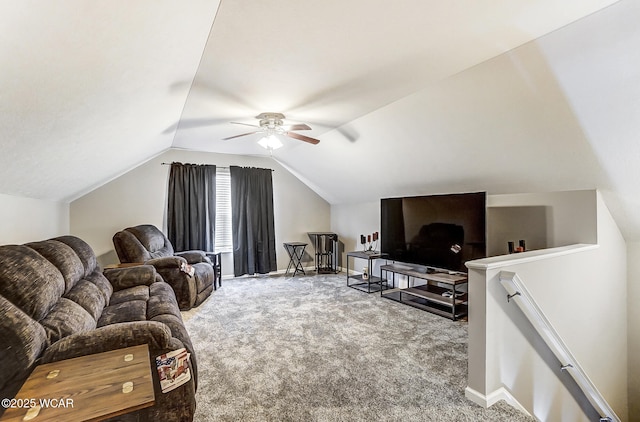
(224, 240)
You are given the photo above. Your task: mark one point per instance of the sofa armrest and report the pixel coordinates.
(123, 278)
(167, 262)
(194, 257)
(111, 337)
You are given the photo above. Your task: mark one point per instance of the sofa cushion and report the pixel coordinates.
(178, 330)
(89, 297)
(102, 284)
(63, 258)
(84, 252)
(124, 278)
(111, 337)
(132, 293)
(66, 318)
(131, 310)
(23, 340)
(152, 239)
(203, 276)
(19, 267)
(141, 243)
(162, 301)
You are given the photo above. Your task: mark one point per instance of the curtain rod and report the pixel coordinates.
(168, 164)
(220, 167)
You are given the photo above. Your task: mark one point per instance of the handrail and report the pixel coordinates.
(518, 293)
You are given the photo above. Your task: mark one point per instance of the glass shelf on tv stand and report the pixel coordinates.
(441, 295)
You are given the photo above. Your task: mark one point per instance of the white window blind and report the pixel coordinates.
(224, 240)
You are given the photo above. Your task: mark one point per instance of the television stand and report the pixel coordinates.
(441, 294)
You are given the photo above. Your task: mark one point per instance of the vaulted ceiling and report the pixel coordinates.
(408, 97)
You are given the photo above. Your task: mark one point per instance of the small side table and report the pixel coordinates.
(371, 283)
(216, 261)
(296, 252)
(92, 387)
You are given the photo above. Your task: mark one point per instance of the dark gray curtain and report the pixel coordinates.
(191, 213)
(254, 240)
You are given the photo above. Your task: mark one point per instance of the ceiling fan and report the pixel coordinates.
(272, 124)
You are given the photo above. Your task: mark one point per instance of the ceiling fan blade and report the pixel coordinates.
(244, 124)
(237, 136)
(301, 126)
(302, 137)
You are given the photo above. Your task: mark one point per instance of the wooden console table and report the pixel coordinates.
(92, 387)
(441, 294)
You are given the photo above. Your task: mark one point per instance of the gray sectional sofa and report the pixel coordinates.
(56, 303)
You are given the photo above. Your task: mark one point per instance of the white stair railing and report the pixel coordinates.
(518, 293)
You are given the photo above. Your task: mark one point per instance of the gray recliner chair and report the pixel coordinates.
(190, 273)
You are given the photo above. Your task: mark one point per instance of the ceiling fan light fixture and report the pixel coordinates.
(271, 124)
(270, 142)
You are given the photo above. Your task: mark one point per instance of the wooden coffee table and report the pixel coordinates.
(87, 388)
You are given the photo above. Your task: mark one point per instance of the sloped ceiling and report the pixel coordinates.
(87, 88)
(407, 98)
(328, 63)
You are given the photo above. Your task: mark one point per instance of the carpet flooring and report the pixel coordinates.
(312, 349)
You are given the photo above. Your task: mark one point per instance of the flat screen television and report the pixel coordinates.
(439, 231)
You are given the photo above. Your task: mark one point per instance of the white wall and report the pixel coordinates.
(571, 215)
(139, 197)
(136, 197)
(26, 220)
(584, 297)
(516, 224)
(633, 333)
(349, 221)
(504, 126)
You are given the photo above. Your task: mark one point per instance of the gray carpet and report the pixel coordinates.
(312, 349)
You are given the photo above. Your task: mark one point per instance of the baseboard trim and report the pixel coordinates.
(280, 272)
(489, 400)
(307, 270)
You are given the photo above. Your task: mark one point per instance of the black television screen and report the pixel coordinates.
(440, 231)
